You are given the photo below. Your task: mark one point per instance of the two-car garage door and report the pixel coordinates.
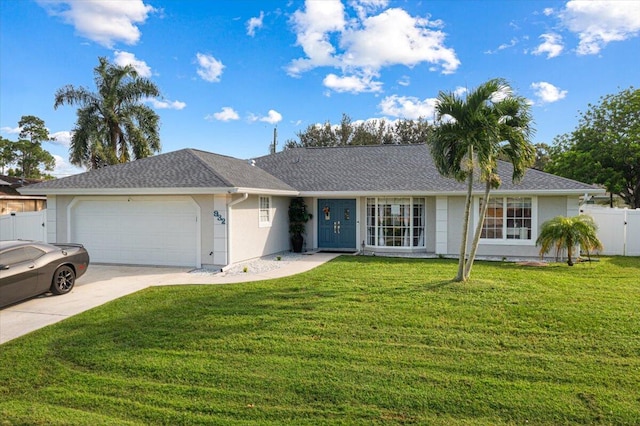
(137, 230)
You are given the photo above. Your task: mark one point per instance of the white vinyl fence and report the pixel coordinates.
(618, 229)
(24, 226)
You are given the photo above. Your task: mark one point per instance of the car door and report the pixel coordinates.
(18, 274)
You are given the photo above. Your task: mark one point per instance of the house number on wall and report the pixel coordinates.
(218, 216)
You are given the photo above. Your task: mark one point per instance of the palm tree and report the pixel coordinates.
(113, 125)
(473, 133)
(567, 233)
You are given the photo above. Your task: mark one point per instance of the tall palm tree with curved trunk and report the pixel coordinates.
(568, 233)
(113, 124)
(471, 135)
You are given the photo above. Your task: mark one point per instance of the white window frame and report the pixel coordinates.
(269, 211)
(410, 226)
(504, 240)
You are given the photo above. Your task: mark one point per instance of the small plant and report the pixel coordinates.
(298, 217)
(245, 269)
(566, 233)
(504, 258)
(440, 256)
(279, 258)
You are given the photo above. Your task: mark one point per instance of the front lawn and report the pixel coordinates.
(360, 340)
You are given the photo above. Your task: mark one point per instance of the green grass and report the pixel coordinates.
(355, 341)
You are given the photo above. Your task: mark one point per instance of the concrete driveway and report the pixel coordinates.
(103, 283)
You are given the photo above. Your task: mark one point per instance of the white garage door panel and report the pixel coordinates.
(139, 232)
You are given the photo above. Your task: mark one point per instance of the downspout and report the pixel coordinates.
(230, 222)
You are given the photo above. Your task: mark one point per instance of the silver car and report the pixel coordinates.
(30, 268)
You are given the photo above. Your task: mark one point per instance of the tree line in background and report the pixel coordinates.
(25, 158)
(604, 149)
(370, 132)
(114, 126)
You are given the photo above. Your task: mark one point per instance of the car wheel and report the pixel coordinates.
(63, 280)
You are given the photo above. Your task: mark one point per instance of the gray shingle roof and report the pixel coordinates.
(187, 168)
(387, 168)
(356, 169)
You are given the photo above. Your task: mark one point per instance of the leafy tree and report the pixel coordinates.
(567, 233)
(542, 156)
(27, 154)
(472, 133)
(7, 154)
(113, 125)
(372, 132)
(30, 157)
(605, 147)
(33, 129)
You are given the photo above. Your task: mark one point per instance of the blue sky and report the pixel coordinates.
(230, 71)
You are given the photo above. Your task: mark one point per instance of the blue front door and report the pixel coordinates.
(337, 224)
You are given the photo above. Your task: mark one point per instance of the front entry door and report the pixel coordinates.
(337, 224)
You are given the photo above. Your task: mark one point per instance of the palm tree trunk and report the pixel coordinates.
(569, 253)
(462, 276)
(476, 236)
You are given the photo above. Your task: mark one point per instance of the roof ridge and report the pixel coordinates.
(364, 146)
(192, 152)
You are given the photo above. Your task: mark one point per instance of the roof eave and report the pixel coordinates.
(263, 191)
(537, 192)
(157, 191)
(22, 197)
(127, 191)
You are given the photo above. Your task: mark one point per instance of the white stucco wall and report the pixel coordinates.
(547, 207)
(213, 241)
(455, 217)
(249, 240)
(62, 207)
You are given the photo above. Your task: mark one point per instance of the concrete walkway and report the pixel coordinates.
(103, 283)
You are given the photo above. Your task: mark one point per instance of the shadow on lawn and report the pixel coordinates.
(439, 285)
(626, 262)
(171, 318)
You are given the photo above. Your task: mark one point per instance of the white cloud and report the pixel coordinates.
(552, 45)
(408, 107)
(227, 114)
(548, 11)
(313, 27)
(547, 92)
(273, 117)
(362, 45)
(63, 168)
(62, 138)
(503, 46)
(254, 23)
(352, 84)
(364, 8)
(164, 104)
(210, 69)
(10, 130)
(122, 59)
(460, 91)
(501, 94)
(511, 43)
(394, 37)
(105, 22)
(405, 80)
(597, 23)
